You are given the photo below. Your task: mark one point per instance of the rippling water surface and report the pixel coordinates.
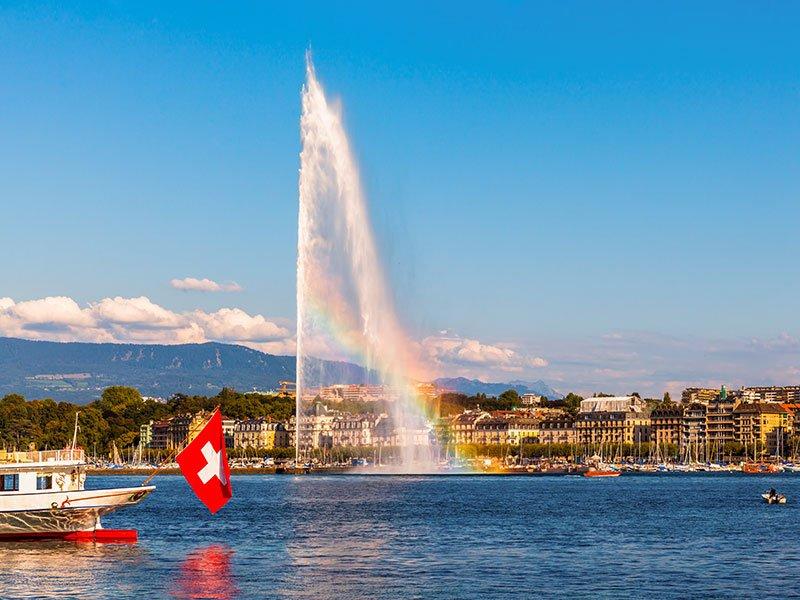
(434, 537)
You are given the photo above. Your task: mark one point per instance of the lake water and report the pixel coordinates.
(433, 537)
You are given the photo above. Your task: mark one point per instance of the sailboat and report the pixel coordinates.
(116, 461)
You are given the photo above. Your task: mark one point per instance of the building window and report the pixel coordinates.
(44, 482)
(9, 483)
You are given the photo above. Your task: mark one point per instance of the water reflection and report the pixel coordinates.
(206, 573)
(345, 551)
(63, 569)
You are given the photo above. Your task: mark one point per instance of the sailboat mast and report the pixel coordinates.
(75, 433)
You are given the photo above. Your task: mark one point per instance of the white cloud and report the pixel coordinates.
(228, 324)
(140, 320)
(136, 312)
(204, 285)
(622, 362)
(652, 363)
(466, 356)
(286, 347)
(47, 312)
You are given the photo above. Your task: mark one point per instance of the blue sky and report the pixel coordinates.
(543, 178)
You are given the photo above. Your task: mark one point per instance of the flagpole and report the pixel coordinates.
(177, 450)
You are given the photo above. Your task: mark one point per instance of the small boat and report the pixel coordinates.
(773, 497)
(601, 472)
(761, 468)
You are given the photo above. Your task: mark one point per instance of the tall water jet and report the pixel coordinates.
(345, 313)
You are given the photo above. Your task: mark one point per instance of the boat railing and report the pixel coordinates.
(42, 456)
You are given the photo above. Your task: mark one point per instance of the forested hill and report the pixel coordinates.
(471, 387)
(79, 372)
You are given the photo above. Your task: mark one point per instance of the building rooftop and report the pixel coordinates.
(669, 410)
(761, 408)
(613, 404)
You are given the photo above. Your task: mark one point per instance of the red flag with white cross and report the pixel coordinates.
(204, 464)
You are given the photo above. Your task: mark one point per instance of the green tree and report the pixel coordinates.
(572, 403)
(117, 416)
(510, 396)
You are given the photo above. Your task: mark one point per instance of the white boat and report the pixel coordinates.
(775, 498)
(42, 495)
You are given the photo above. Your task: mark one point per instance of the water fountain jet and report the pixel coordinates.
(345, 310)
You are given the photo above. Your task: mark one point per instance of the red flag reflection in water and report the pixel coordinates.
(206, 573)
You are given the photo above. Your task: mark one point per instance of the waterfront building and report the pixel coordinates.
(720, 427)
(694, 394)
(228, 426)
(419, 435)
(259, 433)
(557, 429)
(666, 421)
(171, 433)
(612, 428)
(146, 434)
(787, 394)
(493, 430)
(341, 392)
(531, 399)
(354, 430)
(792, 409)
(315, 428)
(323, 427)
(613, 404)
(612, 420)
(762, 425)
(184, 428)
(386, 433)
(462, 429)
(693, 432)
(523, 429)
(291, 427)
(547, 412)
(160, 434)
(428, 391)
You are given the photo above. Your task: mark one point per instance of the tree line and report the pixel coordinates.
(116, 416)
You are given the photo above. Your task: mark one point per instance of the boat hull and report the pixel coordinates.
(58, 514)
(780, 499)
(760, 468)
(596, 473)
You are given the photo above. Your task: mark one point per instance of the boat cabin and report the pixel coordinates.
(41, 472)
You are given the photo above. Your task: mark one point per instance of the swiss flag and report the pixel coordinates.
(204, 464)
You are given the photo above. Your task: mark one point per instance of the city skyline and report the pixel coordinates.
(612, 210)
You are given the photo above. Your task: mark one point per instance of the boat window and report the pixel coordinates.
(9, 483)
(44, 482)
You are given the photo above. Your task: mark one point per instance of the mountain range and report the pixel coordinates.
(79, 372)
(472, 387)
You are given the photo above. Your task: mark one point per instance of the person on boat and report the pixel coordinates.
(773, 493)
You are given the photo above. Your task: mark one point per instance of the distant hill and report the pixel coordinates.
(78, 372)
(475, 386)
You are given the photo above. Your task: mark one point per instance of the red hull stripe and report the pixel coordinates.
(97, 535)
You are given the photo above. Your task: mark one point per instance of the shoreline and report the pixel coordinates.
(466, 473)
